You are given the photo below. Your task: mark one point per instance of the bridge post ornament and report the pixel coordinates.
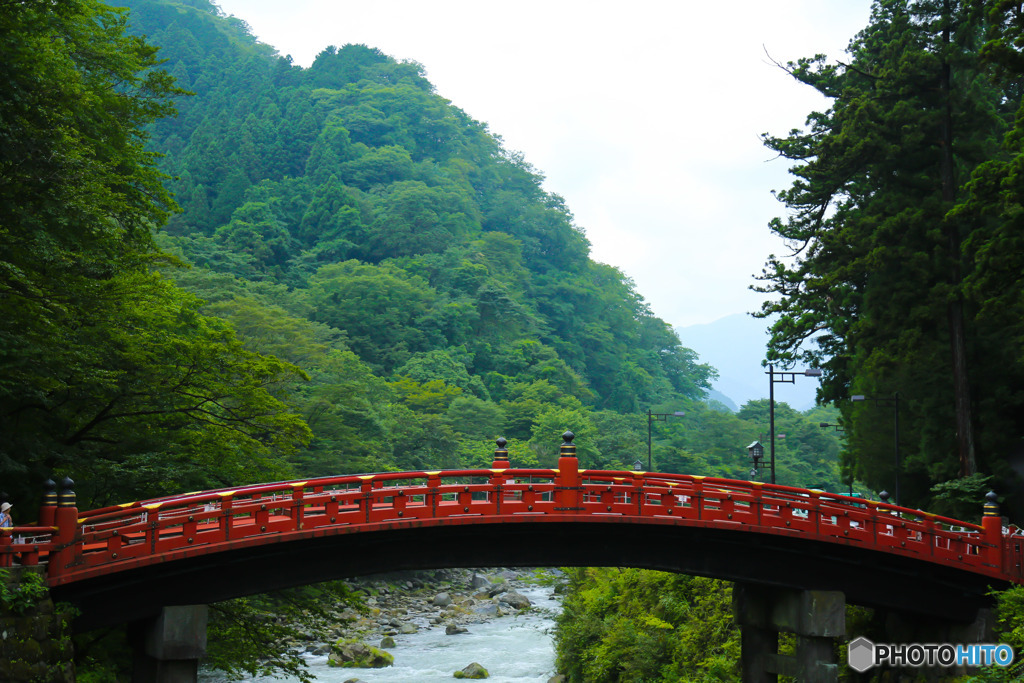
(65, 519)
(568, 483)
(48, 510)
(66, 498)
(568, 448)
(992, 523)
(500, 455)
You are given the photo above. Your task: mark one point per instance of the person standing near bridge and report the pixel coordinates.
(5, 516)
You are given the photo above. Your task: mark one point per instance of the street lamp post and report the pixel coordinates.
(783, 376)
(895, 401)
(663, 417)
(836, 427)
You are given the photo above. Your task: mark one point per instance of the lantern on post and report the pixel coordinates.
(756, 451)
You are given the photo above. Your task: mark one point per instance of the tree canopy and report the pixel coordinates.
(890, 229)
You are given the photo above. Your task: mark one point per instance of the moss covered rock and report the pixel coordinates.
(474, 670)
(356, 654)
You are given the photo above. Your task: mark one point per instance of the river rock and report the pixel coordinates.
(516, 600)
(454, 630)
(479, 581)
(497, 589)
(474, 670)
(387, 643)
(409, 628)
(358, 655)
(557, 678)
(488, 610)
(441, 600)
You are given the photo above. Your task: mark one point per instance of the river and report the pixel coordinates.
(514, 649)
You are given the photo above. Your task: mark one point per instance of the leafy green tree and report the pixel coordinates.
(476, 419)
(378, 307)
(876, 276)
(415, 219)
(635, 625)
(442, 364)
(110, 374)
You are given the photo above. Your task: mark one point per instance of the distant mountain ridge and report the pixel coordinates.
(735, 346)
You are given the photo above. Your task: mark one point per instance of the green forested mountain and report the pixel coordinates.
(348, 219)
(218, 267)
(422, 271)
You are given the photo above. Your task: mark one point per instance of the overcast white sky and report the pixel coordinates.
(645, 116)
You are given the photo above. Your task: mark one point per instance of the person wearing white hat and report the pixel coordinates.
(5, 516)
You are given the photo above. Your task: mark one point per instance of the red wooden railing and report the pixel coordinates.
(84, 545)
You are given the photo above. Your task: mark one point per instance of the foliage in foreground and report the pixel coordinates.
(1010, 631)
(631, 625)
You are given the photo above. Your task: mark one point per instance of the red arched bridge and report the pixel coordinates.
(125, 562)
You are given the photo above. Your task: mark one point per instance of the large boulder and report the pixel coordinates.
(488, 610)
(497, 588)
(355, 654)
(516, 600)
(474, 670)
(441, 600)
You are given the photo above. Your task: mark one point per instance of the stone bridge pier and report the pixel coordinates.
(35, 637)
(818, 618)
(168, 648)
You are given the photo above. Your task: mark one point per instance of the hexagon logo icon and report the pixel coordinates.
(860, 654)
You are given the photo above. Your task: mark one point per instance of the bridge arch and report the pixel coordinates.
(790, 550)
(126, 562)
(873, 579)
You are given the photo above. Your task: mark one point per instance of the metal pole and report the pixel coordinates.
(896, 404)
(649, 417)
(771, 414)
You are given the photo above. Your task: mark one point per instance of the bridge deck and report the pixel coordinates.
(161, 532)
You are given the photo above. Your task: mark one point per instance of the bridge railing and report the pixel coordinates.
(173, 527)
(29, 545)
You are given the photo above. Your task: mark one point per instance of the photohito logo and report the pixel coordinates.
(862, 654)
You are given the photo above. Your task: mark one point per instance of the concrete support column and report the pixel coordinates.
(758, 646)
(900, 627)
(171, 645)
(817, 618)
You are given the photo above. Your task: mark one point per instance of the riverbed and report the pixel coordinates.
(516, 648)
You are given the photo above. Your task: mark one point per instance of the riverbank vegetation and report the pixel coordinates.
(631, 625)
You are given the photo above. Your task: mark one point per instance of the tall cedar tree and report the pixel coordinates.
(876, 273)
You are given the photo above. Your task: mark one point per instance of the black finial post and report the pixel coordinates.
(500, 454)
(50, 493)
(884, 496)
(991, 508)
(48, 509)
(66, 497)
(568, 448)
